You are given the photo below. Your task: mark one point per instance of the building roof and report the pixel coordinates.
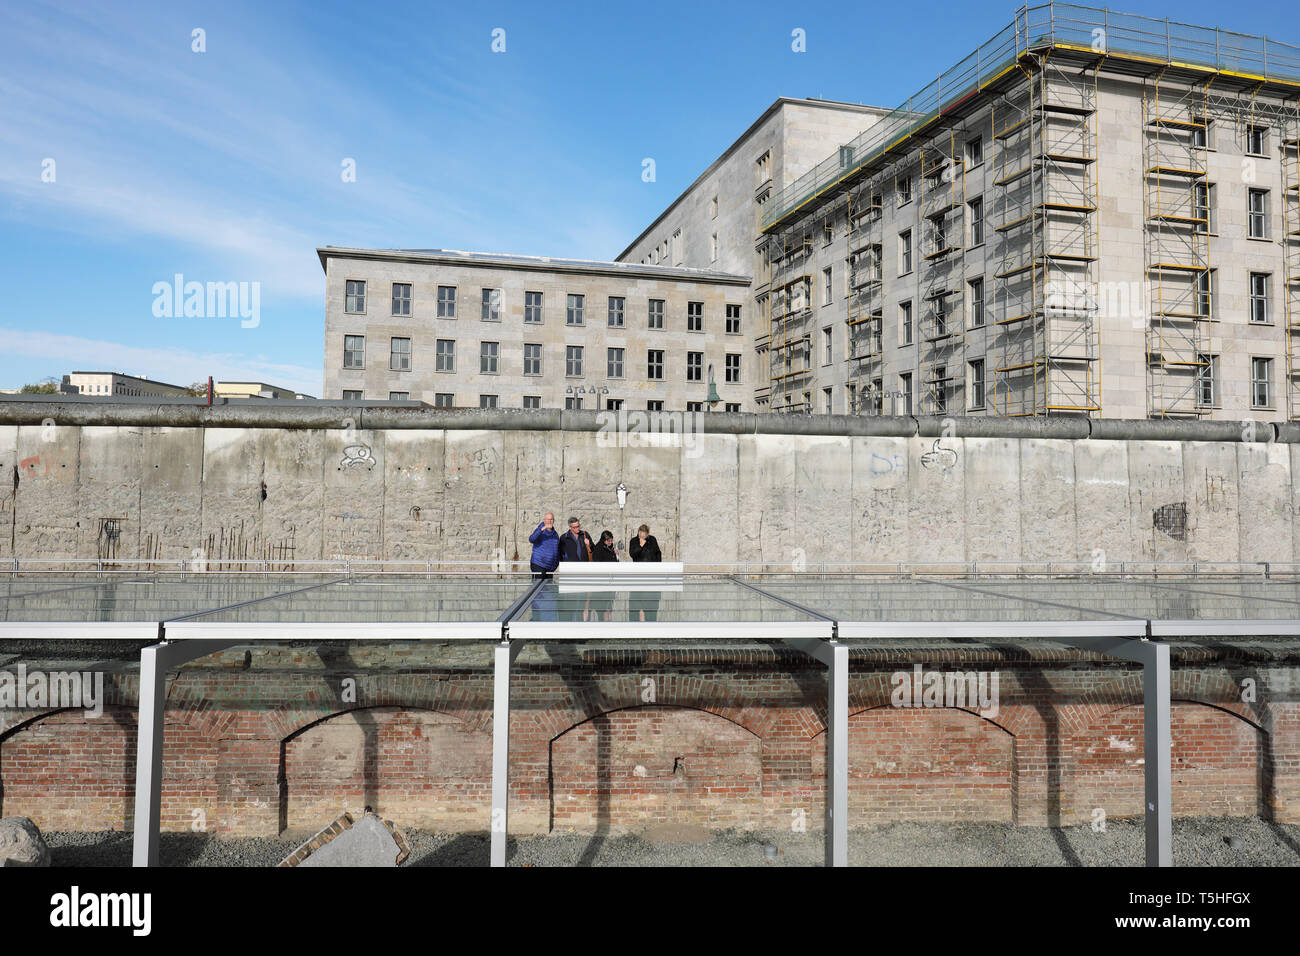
(134, 378)
(531, 263)
(779, 102)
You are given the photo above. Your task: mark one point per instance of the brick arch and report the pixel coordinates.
(922, 770)
(421, 765)
(1210, 776)
(653, 763)
(1214, 690)
(689, 691)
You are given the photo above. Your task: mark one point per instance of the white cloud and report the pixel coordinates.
(177, 366)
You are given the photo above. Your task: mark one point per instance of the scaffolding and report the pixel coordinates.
(789, 339)
(865, 321)
(1291, 254)
(1176, 217)
(942, 322)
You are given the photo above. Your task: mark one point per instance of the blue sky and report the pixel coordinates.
(225, 165)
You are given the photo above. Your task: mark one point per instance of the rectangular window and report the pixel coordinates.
(532, 358)
(976, 220)
(654, 363)
(1200, 132)
(878, 396)
(977, 383)
(533, 307)
(444, 400)
(828, 401)
(355, 298)
(445, 356)
(827, 285)
(351, 395)
(713, 248)
(828, 233)
(399, 396)
(399, 357)
(976, 303)
(616, 304)
(532, 401)
(573, 360)
(694, 366)
(828, 346)
(694, 316)
(938, 233)
(1261, 382)
(654, 406)
(733, 407)
(446, 302)
(733, 320)
(488, 354)
(573, 310)
(905, 323)
(354, 351)
(905, 387)
(975, 151)
(733, 368)
(905, 252)
(401, 298)
(613, 404)
(614, 363)
(1258, 199)
(573, 402)
(1257, 140)
(491, 311)
(1205, 293)
(904, 187)
(1259, 297)
(763, 169)
(1201, 207)
(487, 401)
(1207, 379)
(655, 310)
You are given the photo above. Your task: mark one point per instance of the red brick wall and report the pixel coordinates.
(257, 752)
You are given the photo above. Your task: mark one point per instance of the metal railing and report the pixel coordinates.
(1103, 31)
(1265, 570)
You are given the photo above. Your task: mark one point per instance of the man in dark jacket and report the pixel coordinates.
(546, 546)
(576, 545)
(644, 547)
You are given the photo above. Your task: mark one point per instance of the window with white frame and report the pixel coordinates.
(1207, 380)
(401, 298)
(616, 306)
(399, 359)
(491, 309)
(532, 358)
(446, 302)
(444, 400)
(354, 351)
(533, 308)
(733, 368)
(355, 296)
(573, 310)
(694, 316)
(445, 355)
(487, 401)
(976, 287)
(1261, 382)
(614, 363)
(655, 312)
(977, 383)
(1259, 297)
(905, 252)
(733, 319)
(573, 360)
(654, 364)
(976, 220)
(1258, 210)
(532, 401)
(489, 354)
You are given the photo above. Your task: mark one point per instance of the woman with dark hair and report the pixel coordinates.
(605, 550)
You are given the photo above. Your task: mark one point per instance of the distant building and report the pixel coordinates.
(115, 384)
(253, 390)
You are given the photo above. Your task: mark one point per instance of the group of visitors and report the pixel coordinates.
(550, 547)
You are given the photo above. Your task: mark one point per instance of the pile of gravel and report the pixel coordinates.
(1198, 841)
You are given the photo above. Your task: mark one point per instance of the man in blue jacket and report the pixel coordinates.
(546, 547)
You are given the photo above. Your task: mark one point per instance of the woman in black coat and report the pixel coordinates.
(644, 547)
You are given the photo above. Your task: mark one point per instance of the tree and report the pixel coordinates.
(46, 386)
(199, 389)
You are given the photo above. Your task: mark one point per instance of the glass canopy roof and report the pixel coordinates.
(269, 605)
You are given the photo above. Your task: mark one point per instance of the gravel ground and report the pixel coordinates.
(1198, 841)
